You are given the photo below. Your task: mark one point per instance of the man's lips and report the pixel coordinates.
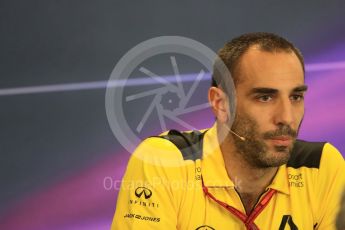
(281, 140)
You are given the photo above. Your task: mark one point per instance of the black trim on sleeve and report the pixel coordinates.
(190, 144)
(307, 154)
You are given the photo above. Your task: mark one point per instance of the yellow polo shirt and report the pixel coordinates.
(162, 188)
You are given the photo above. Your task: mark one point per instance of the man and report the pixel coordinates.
(246, 172)
(341, 214)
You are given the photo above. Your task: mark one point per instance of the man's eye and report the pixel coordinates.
(264, 98)
(297, 97)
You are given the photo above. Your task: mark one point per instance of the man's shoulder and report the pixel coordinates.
(307, 154)
(172, 147)
(189, 143)
(311, 154)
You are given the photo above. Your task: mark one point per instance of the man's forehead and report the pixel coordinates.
(259, 68)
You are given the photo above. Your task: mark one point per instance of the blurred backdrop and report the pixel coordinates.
(60, 163)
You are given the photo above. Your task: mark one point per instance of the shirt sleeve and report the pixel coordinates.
(331, 184)
(147, 198)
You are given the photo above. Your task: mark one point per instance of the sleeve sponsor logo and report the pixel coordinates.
(143, 194)
(143, 203)
(142, 190)
(204, 227)
(140, 217)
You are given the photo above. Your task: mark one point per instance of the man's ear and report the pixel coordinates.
(219, 103)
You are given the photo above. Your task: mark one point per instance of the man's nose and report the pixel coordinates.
(284, 112)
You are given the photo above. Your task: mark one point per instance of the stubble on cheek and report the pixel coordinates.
(254, 149)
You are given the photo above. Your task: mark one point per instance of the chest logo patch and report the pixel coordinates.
(287, 220)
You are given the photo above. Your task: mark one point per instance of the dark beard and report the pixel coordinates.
(254, 150)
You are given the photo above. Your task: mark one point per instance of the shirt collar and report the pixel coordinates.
(213, 167)
(280, 180)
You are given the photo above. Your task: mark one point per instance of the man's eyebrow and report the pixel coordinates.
(263, 90)
(301, 88)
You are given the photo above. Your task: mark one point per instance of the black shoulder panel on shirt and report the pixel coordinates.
(307, 154)
(190, 144)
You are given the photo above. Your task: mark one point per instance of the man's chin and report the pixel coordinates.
(278, 156)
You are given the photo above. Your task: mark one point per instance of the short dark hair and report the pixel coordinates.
(233, 50)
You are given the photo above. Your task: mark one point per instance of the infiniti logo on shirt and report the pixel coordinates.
(205, 227)
(142, 190)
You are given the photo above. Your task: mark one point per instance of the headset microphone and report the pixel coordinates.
(242, 138)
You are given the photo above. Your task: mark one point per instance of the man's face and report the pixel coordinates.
(270, 106)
